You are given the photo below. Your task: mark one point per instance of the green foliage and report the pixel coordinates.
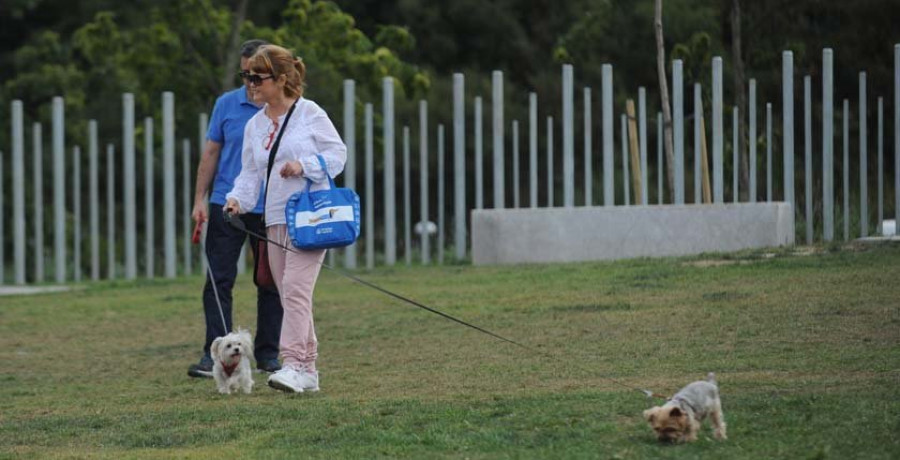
(44, 67)
(181, 46)
(696, 55)
(334, 49)
(148, 47)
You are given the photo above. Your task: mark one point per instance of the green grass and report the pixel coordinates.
(806, 349)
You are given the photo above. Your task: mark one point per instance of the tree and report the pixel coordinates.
(232, 52)
(664, 96)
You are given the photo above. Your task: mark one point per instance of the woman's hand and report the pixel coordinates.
(232, 207)
(291, 169)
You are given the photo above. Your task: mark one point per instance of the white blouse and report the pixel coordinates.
(309, 133)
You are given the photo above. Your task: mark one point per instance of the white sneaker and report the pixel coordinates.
(309, 381)
(287, 379)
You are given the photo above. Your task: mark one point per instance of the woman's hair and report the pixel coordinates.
(275, 60)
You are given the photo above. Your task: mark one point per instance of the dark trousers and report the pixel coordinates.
(223, 247)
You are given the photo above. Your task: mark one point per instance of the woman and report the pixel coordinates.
(276, 78)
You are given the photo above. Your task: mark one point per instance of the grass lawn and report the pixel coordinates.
(806, 348)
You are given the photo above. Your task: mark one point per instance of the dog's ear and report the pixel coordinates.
(675, 412)
(214, 348)
(246, 337)
(650, 414)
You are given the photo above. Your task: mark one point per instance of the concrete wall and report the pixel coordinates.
(509, 236)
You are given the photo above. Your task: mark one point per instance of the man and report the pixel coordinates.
(222, 160)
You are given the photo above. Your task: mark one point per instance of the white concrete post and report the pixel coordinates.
(735, 158)
(880, 166)
(168, 122)
(149, 199)
(76, 213)
(828, 143)
(479, 156)
(424, 237)
(202, 127)
(18, 178)
(350, 165)
(459, 165)
(660, 170)
(498, 136)
(515, 159)
(407, 200)
(390, 202)
(110, 212)
(186, 194)
(751, 195)
(532, 149)
(550, 178)
(2, 230)
(897, 139)
(94, 198)
(440, 202)
(568, 119)
(59, 188)
(626, 183)
(588, 153)
(863, 159)
(678, 128)
(609, 193)
(787, 88)
(807, 145)
(769, 152)
(845, 169)
(38, 178)
(718, 176)
(369, 210)
(130, 202)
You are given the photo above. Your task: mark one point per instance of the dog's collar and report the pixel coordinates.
(684, 404)
(229, 369)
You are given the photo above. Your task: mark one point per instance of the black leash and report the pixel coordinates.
(237, 223)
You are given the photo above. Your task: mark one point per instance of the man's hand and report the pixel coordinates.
(200, 213)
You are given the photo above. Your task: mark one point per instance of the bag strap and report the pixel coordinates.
(272, 155)
(325, 169)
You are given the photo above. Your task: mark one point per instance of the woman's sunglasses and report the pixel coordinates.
(253, 78)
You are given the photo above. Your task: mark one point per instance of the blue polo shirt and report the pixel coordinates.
(226, 127)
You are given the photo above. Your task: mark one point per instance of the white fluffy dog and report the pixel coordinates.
(232, 362)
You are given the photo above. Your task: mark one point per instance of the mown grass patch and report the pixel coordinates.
(806, 349)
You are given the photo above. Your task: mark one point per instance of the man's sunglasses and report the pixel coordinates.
(254, 79)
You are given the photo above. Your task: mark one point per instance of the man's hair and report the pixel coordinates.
(250, 46)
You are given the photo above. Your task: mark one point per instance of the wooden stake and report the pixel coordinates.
(635, 155)
(704, 163)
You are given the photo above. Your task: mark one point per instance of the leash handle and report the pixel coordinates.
(198, 230)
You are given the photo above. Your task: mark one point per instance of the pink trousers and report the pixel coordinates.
(295, 276)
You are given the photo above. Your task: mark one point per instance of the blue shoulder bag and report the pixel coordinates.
(323, 219)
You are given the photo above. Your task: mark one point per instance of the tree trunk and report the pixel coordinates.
(232, 53)
(664, 95)
(740, 97)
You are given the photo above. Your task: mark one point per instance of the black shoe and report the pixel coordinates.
(268, 365)
(203, 369)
